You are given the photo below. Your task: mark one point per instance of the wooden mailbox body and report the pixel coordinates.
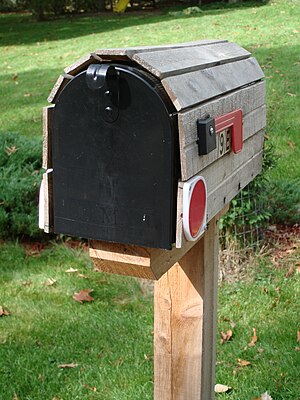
(197, 80)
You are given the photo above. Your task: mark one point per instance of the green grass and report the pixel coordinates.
(111, 338)
(34, 54)
(107, 338)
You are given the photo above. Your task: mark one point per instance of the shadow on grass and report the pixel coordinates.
(20, 29)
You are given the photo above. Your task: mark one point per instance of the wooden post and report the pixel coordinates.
(185, 314)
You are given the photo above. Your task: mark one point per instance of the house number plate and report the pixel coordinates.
(224, 142)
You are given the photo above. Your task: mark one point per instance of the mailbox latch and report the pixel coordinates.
(105, 78)
(206, 130)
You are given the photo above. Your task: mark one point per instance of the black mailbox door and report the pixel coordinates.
(114, 160)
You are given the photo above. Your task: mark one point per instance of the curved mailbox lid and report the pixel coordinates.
(115, 181)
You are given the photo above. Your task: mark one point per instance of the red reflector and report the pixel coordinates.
(194, 207)
(197, 208)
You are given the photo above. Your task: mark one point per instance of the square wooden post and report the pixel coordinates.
(185, 316)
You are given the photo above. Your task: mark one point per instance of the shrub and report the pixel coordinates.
(20, 176)
(283, 199)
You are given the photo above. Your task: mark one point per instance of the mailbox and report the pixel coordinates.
(144, 146)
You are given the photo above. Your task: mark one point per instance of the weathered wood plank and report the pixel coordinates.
(191, 163)
(210, 306)
(121, 259)
(225, 192)
(192, 88)
(185, 306)
(122, 268)
(48, 201)
(80, 64)
(47, 137)
(248, 99)
(216, 173)
(131, 51)
(176, 61)
(58, 87)
(223, 175)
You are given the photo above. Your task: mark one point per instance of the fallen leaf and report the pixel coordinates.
(40, 378)
(225, 337)
(232, 324)
(291, 144)
(15, 397)
(50, 282)
(253, 339)
(219, 388)
(27, 283)
(297, 348)
(71, 270)
(72, 365)
(290, 272)
(4, 312)
(11, 150)
(260, 350)
(93, 389)
(266, 396)
(15, 77)
(243, 363)
(27, 94)
(82, 276)
(83, 295)
(298, 336)
(291, 95)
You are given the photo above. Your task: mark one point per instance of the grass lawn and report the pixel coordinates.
(34, 54)
(108, 341)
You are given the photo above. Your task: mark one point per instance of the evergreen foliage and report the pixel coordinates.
(20, 176)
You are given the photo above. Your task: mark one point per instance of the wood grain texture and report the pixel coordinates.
(224, 182)
(80, 65)
(122, 268)
(47, 137)
(176, 61)
(58, 87)
(191, 163)
(230, 187)
(131, 51)
(250, 99)
(192, 88)
(48, 202)
(183, 368)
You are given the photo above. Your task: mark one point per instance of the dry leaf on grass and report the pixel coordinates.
(4, 312)
(71, 270)
(83, 295)
(290, 272)
(50, 282)
(82, 276)
(243, 363)
(266, 396)
(225, 337)
(253, 339)
(222, 388)
(298, 336)
(93, 389)
(71, 365)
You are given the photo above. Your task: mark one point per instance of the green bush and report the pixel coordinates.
(20, 176)
(283, 199)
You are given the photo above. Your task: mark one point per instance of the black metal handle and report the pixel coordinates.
(97, 75)
(104, 77)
